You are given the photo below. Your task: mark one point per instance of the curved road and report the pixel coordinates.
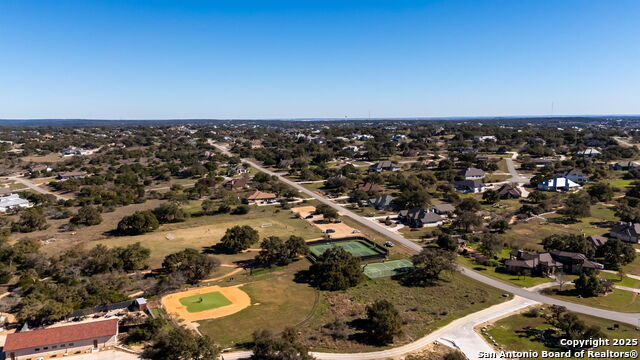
(628, 318)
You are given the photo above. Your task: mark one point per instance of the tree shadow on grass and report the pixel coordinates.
(217, 249)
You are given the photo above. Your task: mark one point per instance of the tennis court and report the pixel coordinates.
(386, 269)
(356, 248)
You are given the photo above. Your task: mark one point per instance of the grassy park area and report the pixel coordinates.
(201, 232)
(212, 300)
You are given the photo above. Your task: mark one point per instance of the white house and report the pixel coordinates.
(13, 201)
(559, 183)
(472, 174)
(485, 138)
(590, 152)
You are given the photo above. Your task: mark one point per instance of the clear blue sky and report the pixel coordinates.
(301, 58)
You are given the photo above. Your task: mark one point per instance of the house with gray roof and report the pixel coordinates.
(626, 231)
(382, 202)
(418, 217)
(472, 174)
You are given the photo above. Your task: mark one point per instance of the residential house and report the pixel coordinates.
(626, 231)
(13, 201)
(558, 184)
(236, 184)
(40, 168)
(418, 217)
(542, 162)
(71, 175)
(443, 209)
(596, 241)
(384, 166)
(62, 341)
(574, 175)
(589, 153)
(485, 138)
(472, 174)
(625, 165)
(509, 191)
(382, 202)
(353, 148)
(285, 163)
(236, 169)
(469, 186)
(258, 197)
(547, 263)
(370, 188)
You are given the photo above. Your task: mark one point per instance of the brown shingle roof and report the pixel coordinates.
(62, 334)
(259, 195)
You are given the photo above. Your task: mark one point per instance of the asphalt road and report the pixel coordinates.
(628, 318)
(515, 177)
(35, 187)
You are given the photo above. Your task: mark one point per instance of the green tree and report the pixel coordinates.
(490, 245)
(170, 213)
(87, 215)
(577, 205)
(428, 265)
(601, 191)
(138, 223)
(209, 207)
(191, 264)
(327, 212)
(272, 252)
(490, 196)
(383, 321)
(239, 238)
(266, 346)
(617, 254)
(335, 269)
(589, 285)
(447, 242)
(179, 343)
(31, 219)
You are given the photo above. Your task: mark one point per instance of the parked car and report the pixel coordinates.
(356, 231)
(388, 244)
(328, 231)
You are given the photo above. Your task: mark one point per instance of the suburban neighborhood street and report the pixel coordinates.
(35, 187)
(532, 296)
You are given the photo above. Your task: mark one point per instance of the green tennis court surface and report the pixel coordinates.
(386, 269)
(212, 300)
(356, 248)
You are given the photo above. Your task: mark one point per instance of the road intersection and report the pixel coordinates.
(528, 296)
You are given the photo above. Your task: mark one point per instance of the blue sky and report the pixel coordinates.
(279, 59)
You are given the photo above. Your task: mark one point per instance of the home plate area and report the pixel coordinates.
(209, 302)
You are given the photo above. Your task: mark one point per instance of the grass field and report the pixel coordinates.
(530, 234)
(490, 271)
(204, 231)
(212, 300)
(617, 300)
(277, 301)
(354, 247)
(519, 332)
(423, 309)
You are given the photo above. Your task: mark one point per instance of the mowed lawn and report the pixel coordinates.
(518, 332)
(277, 302)
(518, 280)
(205, 231)
(617, 300)
(201, 302)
